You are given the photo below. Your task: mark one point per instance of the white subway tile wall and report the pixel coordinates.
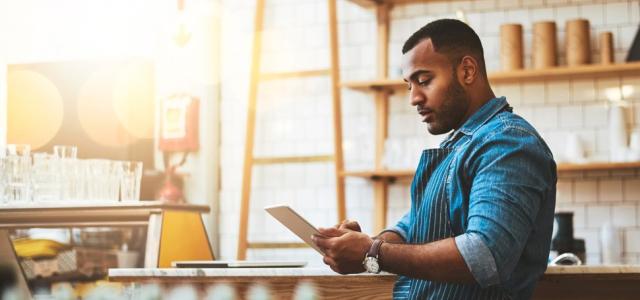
(294, 116)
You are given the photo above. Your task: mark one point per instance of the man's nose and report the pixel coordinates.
(416, 96)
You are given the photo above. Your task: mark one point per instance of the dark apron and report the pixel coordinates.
(430, 222)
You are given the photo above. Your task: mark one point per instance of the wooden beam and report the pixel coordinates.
(382, 116)
(251, 124)
(382, 27)
(337, 111)
(380, 189)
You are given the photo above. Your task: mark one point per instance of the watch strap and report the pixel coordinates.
(375, 248)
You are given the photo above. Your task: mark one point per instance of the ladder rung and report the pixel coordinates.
(292, 159)
(276, 245)
(296, 74)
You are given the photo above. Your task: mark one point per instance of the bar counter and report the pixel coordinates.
(583, 282)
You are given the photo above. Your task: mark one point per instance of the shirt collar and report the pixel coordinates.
(481, 116)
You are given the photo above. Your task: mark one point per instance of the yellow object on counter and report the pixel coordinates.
(173, 244)
(34, 248)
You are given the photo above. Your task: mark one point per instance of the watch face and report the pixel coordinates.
(371, 264)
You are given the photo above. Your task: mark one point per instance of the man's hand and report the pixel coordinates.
(344, 249)
(349, 224)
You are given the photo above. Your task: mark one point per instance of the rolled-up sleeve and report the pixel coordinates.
(478, 258)
(402, 227)
(511, 172)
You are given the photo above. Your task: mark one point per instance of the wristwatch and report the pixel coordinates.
(371, 262)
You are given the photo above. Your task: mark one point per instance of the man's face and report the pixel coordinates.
(434, 88)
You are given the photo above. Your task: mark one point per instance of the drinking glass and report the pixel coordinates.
(17, 173)
(99, 179)
(81, 177)
(68, 165)
(46, 177)
(18, 150)
(130, 178)
(64, 151)
(3, 181)
(113, 188)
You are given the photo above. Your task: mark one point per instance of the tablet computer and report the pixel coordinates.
(294, 222)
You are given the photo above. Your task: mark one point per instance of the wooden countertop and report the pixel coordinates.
(589, 282)
(599, 272)
(594, 269)
(281, 281)
(628, 271)
(558, 282)
(237, 272)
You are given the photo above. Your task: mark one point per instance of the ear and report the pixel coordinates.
(468, 70)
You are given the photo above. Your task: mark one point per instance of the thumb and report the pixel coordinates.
(351, 225)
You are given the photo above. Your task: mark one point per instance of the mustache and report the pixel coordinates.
(423, 110)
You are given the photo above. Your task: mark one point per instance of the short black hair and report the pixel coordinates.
(452, 38)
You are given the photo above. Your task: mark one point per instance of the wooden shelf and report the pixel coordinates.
(380, 84)
(586, 71)
(374, 3)
(564, 72)
(562, 167)
(598, 166)
(380, 174)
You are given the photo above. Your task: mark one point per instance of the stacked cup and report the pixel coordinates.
(16, 177)
(61, 177)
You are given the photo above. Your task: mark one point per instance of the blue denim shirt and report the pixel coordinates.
(501, 187)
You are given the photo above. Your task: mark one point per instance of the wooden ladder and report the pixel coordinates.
(250, 160)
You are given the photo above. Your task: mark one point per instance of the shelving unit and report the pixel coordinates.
(563, 168)
(382, 86)
(564, 72)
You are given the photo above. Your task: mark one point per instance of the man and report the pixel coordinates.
(481, 205)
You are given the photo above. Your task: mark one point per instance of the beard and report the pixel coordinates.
(453, 109)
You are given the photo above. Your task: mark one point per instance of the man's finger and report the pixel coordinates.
(329, 261)
(332, 264)
(332, 232)
(336, 269)
(321, 241)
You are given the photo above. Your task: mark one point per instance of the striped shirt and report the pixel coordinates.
(491, 186)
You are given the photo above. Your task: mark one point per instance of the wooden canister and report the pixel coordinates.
(511, 47)
(544, 45)
(606, 48)
(578, 42)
